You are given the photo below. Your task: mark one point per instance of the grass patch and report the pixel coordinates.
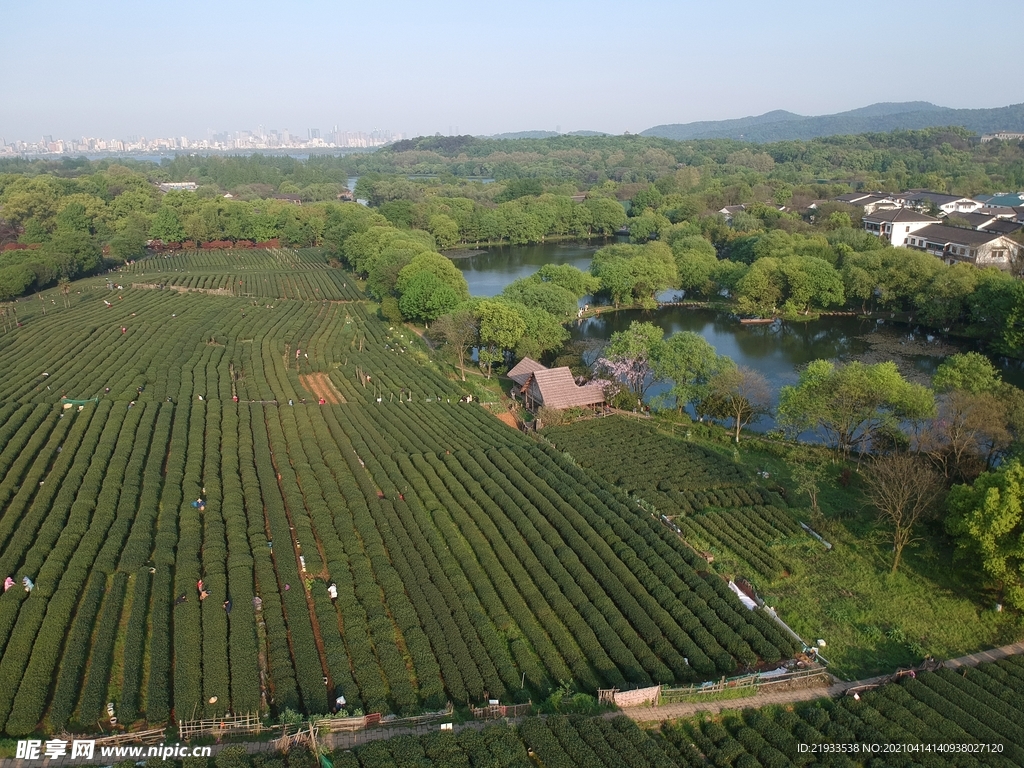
(698, 698)
(872, 621)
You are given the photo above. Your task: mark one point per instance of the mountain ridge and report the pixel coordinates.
(780, 125)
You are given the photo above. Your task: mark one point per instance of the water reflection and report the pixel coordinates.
(489, 272)
(778, 350)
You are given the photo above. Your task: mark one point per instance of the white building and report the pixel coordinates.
(896, 224)
(869, 201)
(957, 244)
(922, 198)
(185, 186)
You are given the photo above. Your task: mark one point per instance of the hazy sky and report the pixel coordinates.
(168, 68)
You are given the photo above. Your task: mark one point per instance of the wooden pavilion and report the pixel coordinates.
(553, 387)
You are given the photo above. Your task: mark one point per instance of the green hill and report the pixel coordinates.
(786, 126)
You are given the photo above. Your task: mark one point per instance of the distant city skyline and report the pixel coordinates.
(189, 68)
(252, 140)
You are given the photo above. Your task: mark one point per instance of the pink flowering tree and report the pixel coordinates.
(629, 356)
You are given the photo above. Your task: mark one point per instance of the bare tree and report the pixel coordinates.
(738, 393)
(65, 291)
(970, 431)
(459, 331)
(808, 480)
(904, 489)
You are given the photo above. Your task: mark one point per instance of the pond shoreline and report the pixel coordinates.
(729, 308)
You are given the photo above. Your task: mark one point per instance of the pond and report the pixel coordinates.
(489, 271)
(778, 351)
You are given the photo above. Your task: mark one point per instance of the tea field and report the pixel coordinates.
(470, 561)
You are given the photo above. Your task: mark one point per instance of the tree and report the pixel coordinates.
(501, 327)
(967, 372)
(572, 279)
(852, 404)
(808, 480)
(73, 218)
(612, 269)
(550, 297)
(630, 354)
(634, 273)
(968, 432)
(518, 225)
(606, 215)
(903, 490)
(976, 417)
(696, 260)
(759, 292)
(810, 280)
(445, 230)
(544, 332)
(944, 300)
(74, 253)
(988, 520)
(459, 331)
(838, 220)
(647, 226)
(646, 199)
(516, 188)
(15, 280)
(439, 266)
(360, 248)
(427, 296)
(738, 393)
(690, 362)
(859, 280)
(383, 269)
(64, 286)
(130, 241)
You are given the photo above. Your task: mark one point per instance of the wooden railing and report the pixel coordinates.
(250, 723)
(151, 736)
(498, 711)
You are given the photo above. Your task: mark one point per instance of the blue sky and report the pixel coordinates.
(114, 68)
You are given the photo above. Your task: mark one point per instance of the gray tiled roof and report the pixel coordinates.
(943, 233)
(898, 214)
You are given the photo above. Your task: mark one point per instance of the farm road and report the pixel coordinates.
(806, 693)
(640, 714)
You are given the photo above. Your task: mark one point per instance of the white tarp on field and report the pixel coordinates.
(743, 598)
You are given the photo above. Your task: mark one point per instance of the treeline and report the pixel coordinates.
(518, 212)
(56, 227)
(933, 158)
(777, 263)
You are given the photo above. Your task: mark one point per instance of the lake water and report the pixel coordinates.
(778, 351)
(489, 272)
